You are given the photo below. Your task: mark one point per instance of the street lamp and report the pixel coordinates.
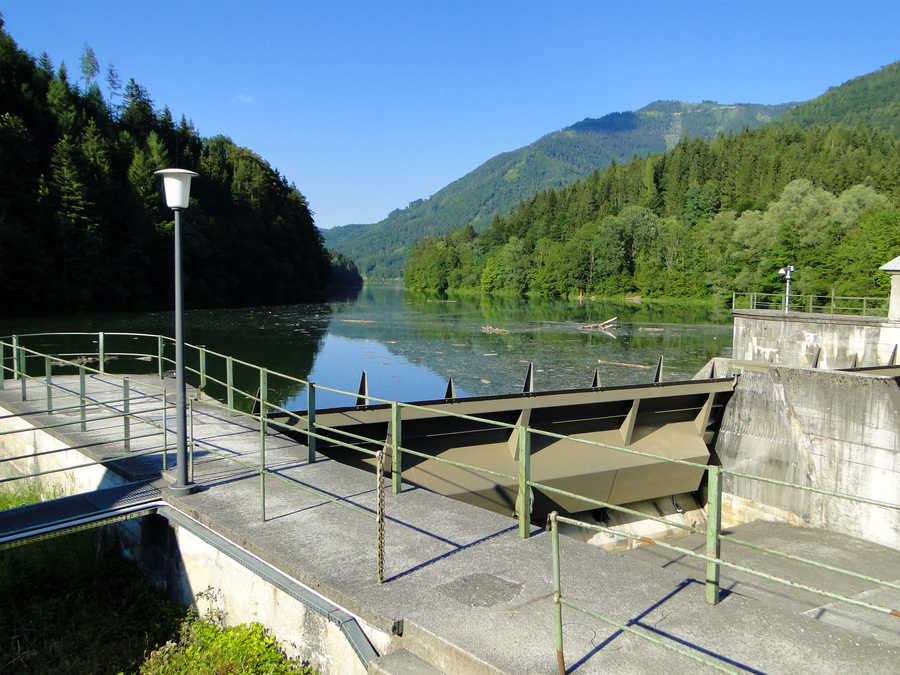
(786, 273)
(177, 185)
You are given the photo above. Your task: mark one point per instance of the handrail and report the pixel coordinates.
(522, 480)
(835, 305)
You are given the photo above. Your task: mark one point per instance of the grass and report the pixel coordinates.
(70, 605)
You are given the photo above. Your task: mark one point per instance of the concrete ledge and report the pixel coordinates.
(812, 317)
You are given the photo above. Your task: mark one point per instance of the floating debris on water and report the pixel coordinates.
(491, 329)
(483, 381)
(603, 325)
(357, 321)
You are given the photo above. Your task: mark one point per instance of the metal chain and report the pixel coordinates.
(379, 511)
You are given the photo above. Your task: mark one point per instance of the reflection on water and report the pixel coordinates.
(446, 339)
(410, 346)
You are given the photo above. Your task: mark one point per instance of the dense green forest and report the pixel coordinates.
(872, 100)
(707, 217)
(555, 160)
(83, 223)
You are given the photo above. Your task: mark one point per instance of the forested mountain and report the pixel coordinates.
(872, 100)
(83, 223)
(555, 160)
(707, 217)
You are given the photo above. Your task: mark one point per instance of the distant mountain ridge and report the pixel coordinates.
(554, 160)
(872, 100)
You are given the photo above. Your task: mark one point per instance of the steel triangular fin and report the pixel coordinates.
(627, 426)
(362, 397)
(451, 390)
(528, 387)
(512, 444)
(596, 381)
(657, 376)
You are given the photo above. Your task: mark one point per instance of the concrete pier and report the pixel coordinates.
(463, 593)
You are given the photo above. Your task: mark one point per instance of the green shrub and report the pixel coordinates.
(204, 647)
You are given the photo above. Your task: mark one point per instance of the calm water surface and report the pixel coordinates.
(409, 346)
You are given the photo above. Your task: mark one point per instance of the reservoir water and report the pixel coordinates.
(409, 346)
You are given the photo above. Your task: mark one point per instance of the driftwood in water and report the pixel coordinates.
(619, 363)
(603, 325)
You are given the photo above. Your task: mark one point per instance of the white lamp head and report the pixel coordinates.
(177, 185)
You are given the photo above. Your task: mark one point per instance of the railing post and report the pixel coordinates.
(23, 376)
(713, 527)
(15, 356)
(811, 304)
(396, 455)
(832, 300)
(82, 398)
(229, 381)
(202, 368)
(864, 306)
(753, 301)
(159, 355)
(263, 384)
(311, 422)
(379, 512)
(101, 353)
(524, 500)
(48, 380)
(126, 408)
(557, 596)
(2, 364)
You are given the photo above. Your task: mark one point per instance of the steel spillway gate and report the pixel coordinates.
(673, 420)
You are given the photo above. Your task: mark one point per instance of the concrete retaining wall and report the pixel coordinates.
(28, 441)
(192, 571)
(833, 430)
(794, 339)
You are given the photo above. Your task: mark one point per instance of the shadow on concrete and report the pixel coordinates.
(443, 556)
(457, 547)
(638, 621)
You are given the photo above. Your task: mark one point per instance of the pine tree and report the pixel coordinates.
(89, 65)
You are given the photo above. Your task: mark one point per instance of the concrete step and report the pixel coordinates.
(400, 662)
(448, 658)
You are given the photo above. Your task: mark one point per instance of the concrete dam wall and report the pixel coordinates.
(795, 418)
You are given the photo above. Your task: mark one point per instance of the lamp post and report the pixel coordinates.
(177, 185)
(786, 273)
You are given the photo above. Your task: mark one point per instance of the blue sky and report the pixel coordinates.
(367, 106)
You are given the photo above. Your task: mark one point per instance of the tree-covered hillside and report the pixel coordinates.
(872, 100)
(83, 223)
(706, 218)
(555, 160)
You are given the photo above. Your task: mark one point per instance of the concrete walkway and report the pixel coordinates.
(474, 597)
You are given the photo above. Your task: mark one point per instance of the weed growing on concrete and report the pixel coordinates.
(204, 647)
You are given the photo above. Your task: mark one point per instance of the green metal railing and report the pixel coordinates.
(118, 408)
(814, 304)
(522, 479)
